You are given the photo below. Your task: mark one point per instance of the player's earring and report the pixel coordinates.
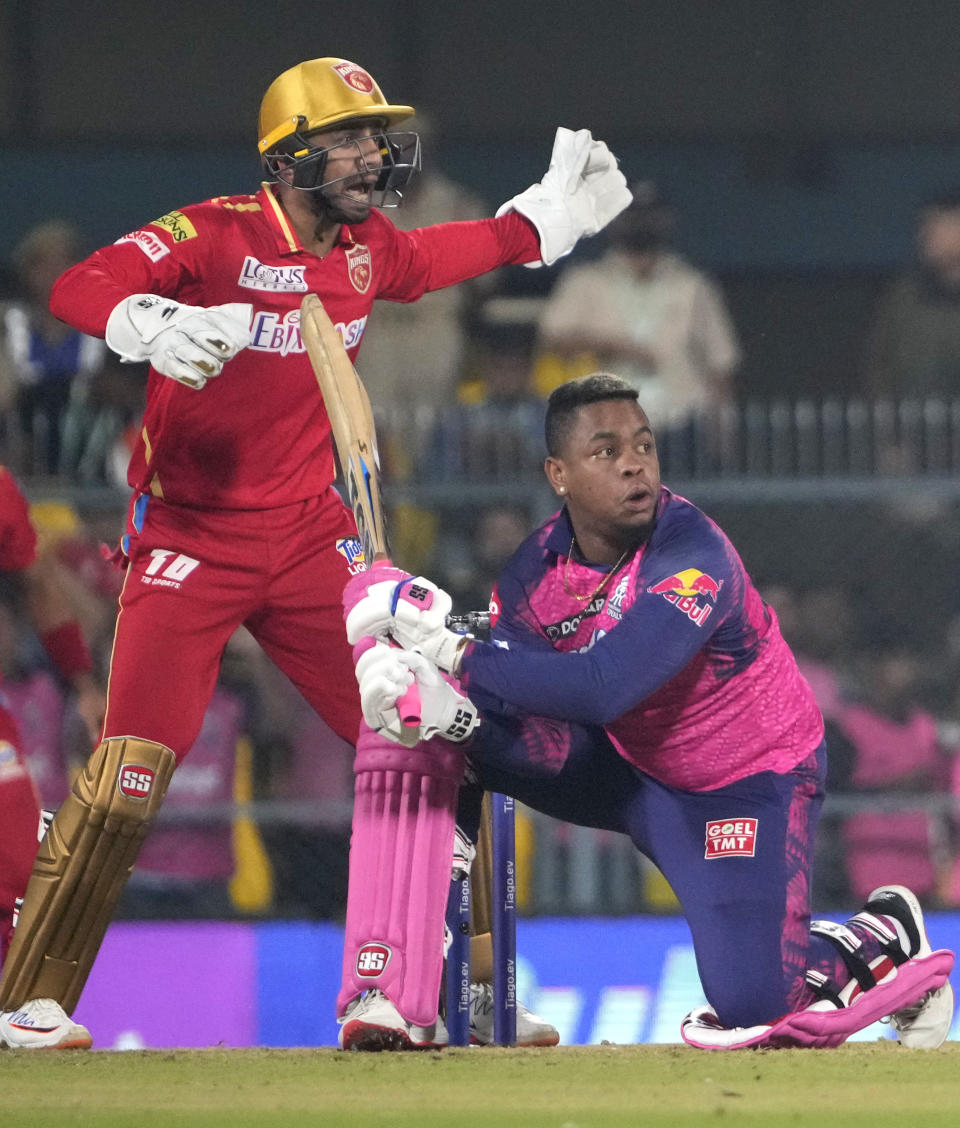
(562, 489)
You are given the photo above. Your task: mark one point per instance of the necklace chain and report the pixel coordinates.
(600, 586)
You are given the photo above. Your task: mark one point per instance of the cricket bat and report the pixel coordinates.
(355, 441)
(351, 420)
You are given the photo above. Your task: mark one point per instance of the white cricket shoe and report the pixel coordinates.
(42, 1024)
(532, 1030)
(373, 1023)
(925, 1024)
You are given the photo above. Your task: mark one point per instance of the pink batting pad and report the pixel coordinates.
(401, 853)
(822, 1025)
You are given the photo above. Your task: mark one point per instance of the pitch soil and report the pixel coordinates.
(870, 1084)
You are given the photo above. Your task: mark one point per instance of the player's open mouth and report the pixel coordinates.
(358, 190)
(637, 497)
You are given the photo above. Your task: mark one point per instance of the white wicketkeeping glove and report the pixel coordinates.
(384, 673)
(187, 343)
(413, 613)
(581, 191)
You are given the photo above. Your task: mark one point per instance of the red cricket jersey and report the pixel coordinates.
(258, 436)
(18, 541)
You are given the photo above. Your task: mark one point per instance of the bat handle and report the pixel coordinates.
(408, 706)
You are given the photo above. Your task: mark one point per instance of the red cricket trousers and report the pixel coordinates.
(195, 576)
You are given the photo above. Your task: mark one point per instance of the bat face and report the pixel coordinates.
(363, 497)
(351, 420)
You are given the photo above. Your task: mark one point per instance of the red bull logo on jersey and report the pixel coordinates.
(731, 838)
(351, 550)
(355, 77)
(372, 960)
(359, 267)
(686, 589)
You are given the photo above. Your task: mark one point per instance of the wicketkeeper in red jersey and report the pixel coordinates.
(234, 518)
(53, 619)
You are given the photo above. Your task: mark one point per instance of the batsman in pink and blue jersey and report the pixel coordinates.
(636, 681)
(685, 723)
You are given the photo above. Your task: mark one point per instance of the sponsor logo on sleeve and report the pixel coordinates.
(691, 591)
(359, 267)
(355, 77)
(178, 225)
(151, 245)
(731, 838)
(256, 275)
(372, 960)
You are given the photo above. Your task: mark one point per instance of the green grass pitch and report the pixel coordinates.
(870, 1084)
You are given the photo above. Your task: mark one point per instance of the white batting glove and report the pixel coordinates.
(413, 613)
(581, 191)
(384, 673)
(187, 343)
(383, 680)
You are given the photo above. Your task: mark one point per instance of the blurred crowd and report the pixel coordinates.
(479, 361)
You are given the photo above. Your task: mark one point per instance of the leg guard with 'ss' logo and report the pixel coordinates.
(80, 871)
(400, 855)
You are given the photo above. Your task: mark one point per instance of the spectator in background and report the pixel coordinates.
(34, 589)
(469, 569)
(647, 314)
(185, 866)
(419, 350)
(498, 431)
(896, 749)
(913, 348)
(47, 361)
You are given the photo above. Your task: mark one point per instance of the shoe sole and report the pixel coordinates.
(364, 1038)
(77, 1042)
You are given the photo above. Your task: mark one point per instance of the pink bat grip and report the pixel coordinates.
(408, 706)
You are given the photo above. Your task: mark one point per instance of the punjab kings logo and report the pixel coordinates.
(372, 960)
(135, 781)
(355, 77)
(359, 267)
(731, 838)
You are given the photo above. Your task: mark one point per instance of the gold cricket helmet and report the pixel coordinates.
(318, 94)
